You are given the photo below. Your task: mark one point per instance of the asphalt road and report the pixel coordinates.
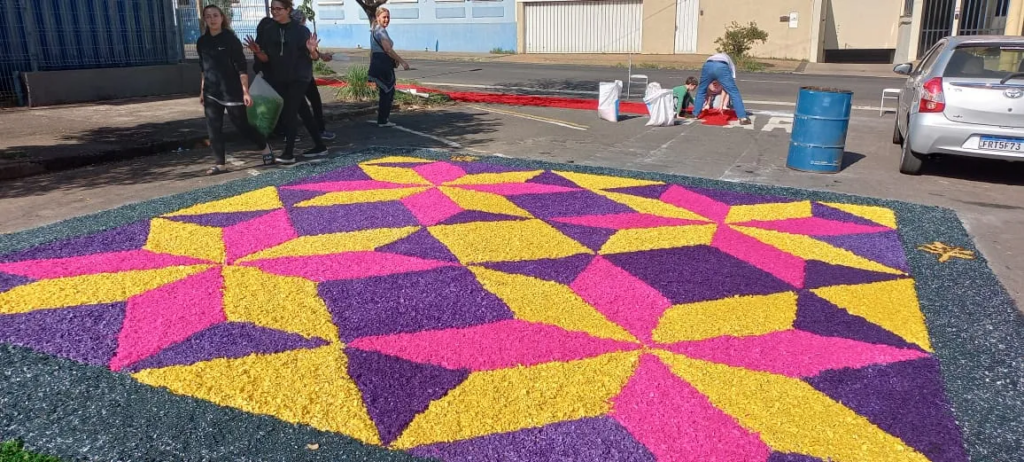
(569, 80)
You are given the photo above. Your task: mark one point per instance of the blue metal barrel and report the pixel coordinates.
(819, 130)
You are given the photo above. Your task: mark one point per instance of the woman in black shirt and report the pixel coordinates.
(287, 50)
(225, 84)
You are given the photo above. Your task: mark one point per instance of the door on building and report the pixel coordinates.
(606, 26)
(687, 16)
(976, 17)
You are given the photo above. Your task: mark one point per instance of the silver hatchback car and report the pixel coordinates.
(964, 98)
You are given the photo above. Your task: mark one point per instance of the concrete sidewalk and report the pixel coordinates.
(42, 140)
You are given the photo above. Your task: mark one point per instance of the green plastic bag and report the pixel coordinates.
(266, 106)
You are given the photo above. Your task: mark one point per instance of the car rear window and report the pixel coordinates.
(985, 61)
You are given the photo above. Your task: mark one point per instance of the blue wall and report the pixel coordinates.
(472, 26)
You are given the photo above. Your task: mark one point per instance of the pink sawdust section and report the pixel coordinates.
(343, 186)
(95, 264)
(621, 297)
(677, 423)
(815, 226)
(431, 207)
(514, 189)
(440, 172)
(793, 353)
(167, 315)
(261, 233)
(349, 265)
(492, 346)
(696, 203)
(782, 265)
(626, 221)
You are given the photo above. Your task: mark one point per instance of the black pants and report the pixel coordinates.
(387, 99)
(313, 95)
(382, 73)
(294, 94)
(215, 125)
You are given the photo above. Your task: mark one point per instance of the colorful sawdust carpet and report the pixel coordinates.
(477, 311)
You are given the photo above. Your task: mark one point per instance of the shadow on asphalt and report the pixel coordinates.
(467, 129)
(979, 170)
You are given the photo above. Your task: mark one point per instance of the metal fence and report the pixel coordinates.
(244, 14)
(45, 35)
(984, 17)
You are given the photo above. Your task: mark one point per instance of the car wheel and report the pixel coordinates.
(911, 162)
(897, 137)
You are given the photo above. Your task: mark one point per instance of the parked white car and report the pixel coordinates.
(964, 98)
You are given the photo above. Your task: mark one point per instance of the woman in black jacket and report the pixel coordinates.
(225, 84)
(287, 50)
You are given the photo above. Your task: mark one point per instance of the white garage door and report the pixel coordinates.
(610, 26)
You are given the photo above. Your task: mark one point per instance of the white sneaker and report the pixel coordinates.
(387, 125)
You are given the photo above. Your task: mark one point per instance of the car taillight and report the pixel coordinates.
(932, 99)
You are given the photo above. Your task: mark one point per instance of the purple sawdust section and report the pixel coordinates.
(85, 333)
(129, 237)
(353, 173)
(817, 316)
(821, 274)
(396, 390)
(593, 439)
(906, 399)
(884, 248)
(650, 192)
(10, 281)
(562, 270)
(420, 244)
(310, 221)
(695, 274)
(471, 216)
(290, 197)
(834, 214)
(780, 457)
(592, 238)
(553, 179)
(473, 168)
(437, 299)
(569, 204)
(227, 340)
(737, 198)
(220, 220)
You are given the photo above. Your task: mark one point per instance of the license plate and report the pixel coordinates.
(1002, 144)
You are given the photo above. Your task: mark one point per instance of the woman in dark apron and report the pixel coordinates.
(383, 62)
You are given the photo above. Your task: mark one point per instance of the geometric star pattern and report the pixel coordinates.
(472, 311)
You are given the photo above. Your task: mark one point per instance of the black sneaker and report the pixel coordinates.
(284, 160)
(327, 136)
(316, 151)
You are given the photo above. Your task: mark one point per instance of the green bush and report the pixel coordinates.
(502, 51)
(322, 68)
(14, 451)
(357, 87)
(738, 40)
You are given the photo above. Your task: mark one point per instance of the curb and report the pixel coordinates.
(29, 168)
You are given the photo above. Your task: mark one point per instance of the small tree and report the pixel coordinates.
(307, 8)
(738, 40)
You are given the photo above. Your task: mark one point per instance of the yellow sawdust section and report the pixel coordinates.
(186, 239)
(400, 175)
(667, 237)
(92, 289)
(327, 244)
(880, 215)
(285, 303)
(735, 316)
(652, 206)
(495, 178)
(891, 304)
(309, 387)
(398, 160)
(547, 302)
(811, 249)
(260, 199)
(589, 181)
(495, 241)
(484, 202)
(769, 212)
(790, 415)
(360, 197)
(507, 400)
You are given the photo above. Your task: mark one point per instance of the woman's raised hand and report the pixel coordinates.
(312, 43)
(251, 44)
